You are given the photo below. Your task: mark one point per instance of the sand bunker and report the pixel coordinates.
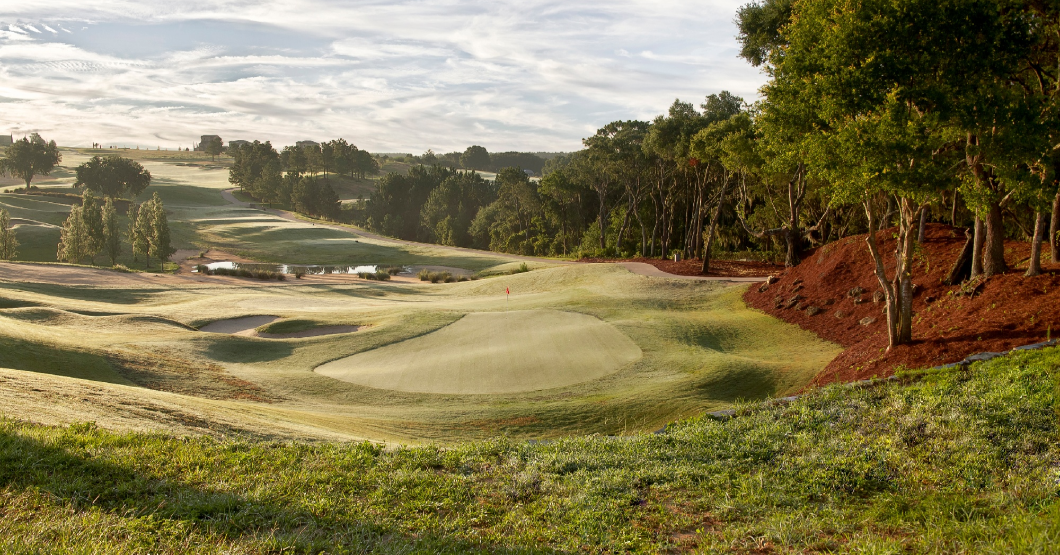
(239, 326)
(247, 327)
(494, 352)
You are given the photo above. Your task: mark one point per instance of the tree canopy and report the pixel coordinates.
(113, 176)
(30, 156)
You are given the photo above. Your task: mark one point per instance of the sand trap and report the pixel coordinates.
(315, 332)
(494, 352)
(247, 327)
(239, 326)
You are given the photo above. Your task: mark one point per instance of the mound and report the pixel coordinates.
(949, 323)
(494, 352)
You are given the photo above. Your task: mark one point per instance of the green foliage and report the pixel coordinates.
(475, 158)
(8, 241)
(113, 177)
(159, 238)
(30, 156)
(75, 241)
(111, 231)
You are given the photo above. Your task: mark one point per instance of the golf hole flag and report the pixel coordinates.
(506, 291)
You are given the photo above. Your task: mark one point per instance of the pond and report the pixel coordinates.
(307, 269)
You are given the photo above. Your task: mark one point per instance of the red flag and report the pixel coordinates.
(506, 291)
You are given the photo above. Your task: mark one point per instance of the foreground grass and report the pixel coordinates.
(950, 462)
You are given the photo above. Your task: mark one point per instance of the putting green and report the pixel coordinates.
(494, 352)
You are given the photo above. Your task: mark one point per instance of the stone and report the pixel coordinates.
(797, 281)
(762, 288)
(878, 297)
(829, 302)
(840, 314)
(855, 292)
(813, 311)
(867, 321)
(770, 280)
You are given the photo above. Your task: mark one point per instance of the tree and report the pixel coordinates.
(92, 214)
(8, 242)
(75, 241)
(113, 177)
(214, 147)
(143, 228)
(28, 157)
(159, 240)
(111, 232)
(475, 158)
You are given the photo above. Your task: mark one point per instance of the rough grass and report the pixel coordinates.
(959, 461)
(494, 352)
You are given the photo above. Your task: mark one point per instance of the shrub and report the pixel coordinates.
(424, 274)
(393, 270)
(521, 269)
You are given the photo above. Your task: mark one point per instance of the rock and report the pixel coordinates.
(840, 314)
(762, 288)
(813, 311)
(796, 298)
(858, 300)
(878, 296)
(796, 288)
(829, 302)
(867, 321)
(930, 299)
(797, 281)
(800, 307)
(770, 280)
(855, 292)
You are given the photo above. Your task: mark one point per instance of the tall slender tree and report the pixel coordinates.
(8, 241)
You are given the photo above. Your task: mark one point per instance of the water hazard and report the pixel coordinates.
(292, 269)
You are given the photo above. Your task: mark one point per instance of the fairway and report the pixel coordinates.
(494, 352)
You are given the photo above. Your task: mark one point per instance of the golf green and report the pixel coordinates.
(494, 352)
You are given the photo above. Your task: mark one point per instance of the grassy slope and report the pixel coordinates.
(960, 461)
(702, 349)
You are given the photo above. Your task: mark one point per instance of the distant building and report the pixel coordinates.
(303, 144)
(204, 140)
(5, 140)
(232, 145)
(529, 172)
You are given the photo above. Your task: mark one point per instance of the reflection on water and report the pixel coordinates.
(308, 269)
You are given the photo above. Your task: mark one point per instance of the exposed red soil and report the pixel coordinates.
(1007, 311)
(691, 267)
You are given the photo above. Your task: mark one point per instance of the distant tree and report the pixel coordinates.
(429, 158)
(28, 157)
(92, 215)
(111, 232)
(214, 147)
(75, 241)
(142, 230)
(8, 242)
(113, 176)
(159, 240)
(475, 158)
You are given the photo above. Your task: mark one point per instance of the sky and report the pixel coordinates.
(388, 76)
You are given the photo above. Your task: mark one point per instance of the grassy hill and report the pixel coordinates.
(944, 462)
(673, 349)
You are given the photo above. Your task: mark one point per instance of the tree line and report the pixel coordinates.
(476, 157)
(290, 177)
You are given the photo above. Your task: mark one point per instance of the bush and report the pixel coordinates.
(393, 270)
(521, 269)
(424, 274)
(378, 275)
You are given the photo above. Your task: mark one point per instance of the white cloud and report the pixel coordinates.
(389, 76)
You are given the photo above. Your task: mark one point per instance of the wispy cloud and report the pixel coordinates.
(389, 76)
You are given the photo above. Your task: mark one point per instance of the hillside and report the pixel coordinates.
(955, 462)
(949, 323)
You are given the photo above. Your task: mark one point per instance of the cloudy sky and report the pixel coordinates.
(388, 76)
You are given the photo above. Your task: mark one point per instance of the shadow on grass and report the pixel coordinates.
(241, 350)
(739, 382)
(147, 505)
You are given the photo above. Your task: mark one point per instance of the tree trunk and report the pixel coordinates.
(709, 242)
(977, 248)
(962, 267)
(1054, 227)
(994, 249)
(791, 239)
(953, 211)
(923, 224)
(1035, 267)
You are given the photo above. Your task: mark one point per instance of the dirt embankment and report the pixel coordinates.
(835, 294)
